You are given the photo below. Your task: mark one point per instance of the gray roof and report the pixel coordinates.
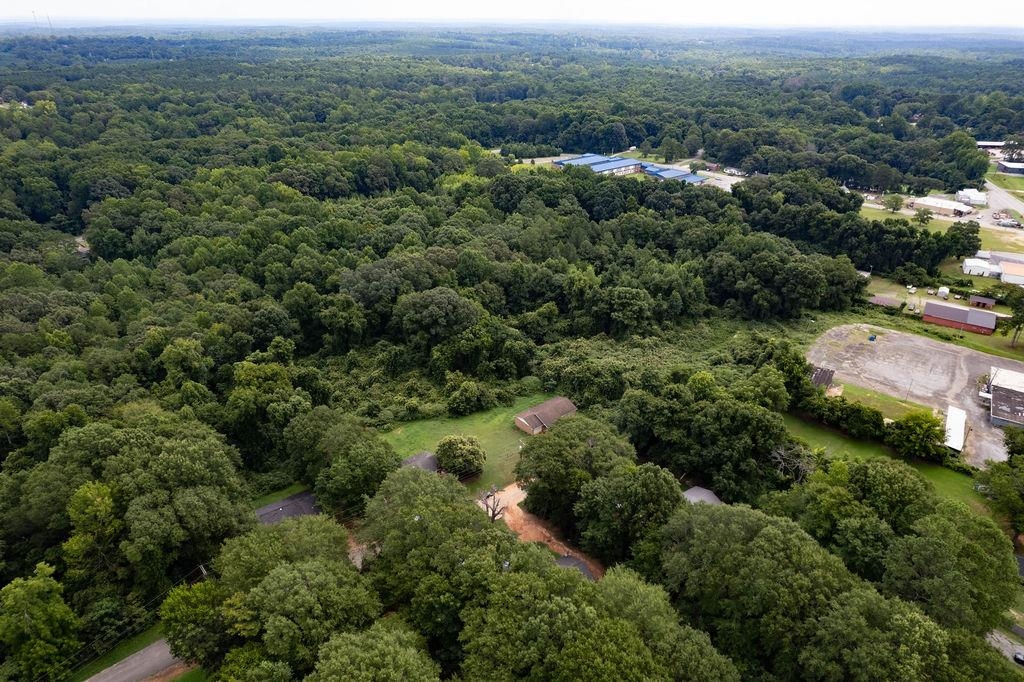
(983, 299)
(887, 301)
(422, 460)
(569, 561)
(545, 414)
(697, 494)
(822, 376)
(1007, 404)
(973, 316)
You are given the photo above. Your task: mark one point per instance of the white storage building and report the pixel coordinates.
(972, 197)
(956, 428)
(981, 268)
(942, 206)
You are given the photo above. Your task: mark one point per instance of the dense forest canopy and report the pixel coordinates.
(228, 261)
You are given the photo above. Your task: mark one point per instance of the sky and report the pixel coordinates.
(772, 13)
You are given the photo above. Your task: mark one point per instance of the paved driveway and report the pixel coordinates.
(299, 504)
(916, 368)
(141, 665)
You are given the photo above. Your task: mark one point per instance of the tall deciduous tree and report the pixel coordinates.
(37, 629)
(554, 467)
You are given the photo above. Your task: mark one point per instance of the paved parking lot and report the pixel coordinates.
(915, 368)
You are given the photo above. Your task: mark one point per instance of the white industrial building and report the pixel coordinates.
(981, 268)
(972, 197)
(942, 206)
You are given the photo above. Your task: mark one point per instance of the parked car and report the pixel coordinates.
(1018, 657)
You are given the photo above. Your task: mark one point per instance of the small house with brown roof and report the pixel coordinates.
(539, 418)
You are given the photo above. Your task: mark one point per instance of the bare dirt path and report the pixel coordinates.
(530, 528)
(915, 368)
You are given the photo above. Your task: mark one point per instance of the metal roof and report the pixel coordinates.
(613, 164)
(956, 428)
(972, 316)
(584, 160)
(697, 494)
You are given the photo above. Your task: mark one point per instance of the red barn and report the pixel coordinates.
(964, 319)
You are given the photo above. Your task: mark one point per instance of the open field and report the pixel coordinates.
(914, 368)
(499, 438)
(948, 483)
(936, 224)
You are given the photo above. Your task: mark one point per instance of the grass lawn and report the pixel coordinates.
(948, 483)
(1010, 182)
(278, 495)
(891, 407)
(124, 649)
(494, 429)
(936, 224)
(194, 675)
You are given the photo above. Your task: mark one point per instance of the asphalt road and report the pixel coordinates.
(157, 658)
(141, 665)
(999, 199)
(916, 368)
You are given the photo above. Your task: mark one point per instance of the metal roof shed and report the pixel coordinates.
(956, 428)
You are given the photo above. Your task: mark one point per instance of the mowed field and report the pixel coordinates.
(499, 438)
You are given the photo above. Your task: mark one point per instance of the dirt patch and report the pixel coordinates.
(923, 370)
(172, 673)
(530, 528)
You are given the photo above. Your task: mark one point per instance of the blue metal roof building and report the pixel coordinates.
(614, 164)
(584, 160)
(663, 173)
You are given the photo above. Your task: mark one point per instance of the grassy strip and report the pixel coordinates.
(494, 428)
(194, 675)
(889, 406)
(120, 652)
(1010, 182)
(949, 484)
(278, 495)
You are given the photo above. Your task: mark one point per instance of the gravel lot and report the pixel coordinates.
(915, 368)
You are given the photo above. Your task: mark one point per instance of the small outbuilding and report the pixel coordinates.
(539, 418)
(822, 376)
(422, 460)
(1012, 167)
(957, 317)
(983, 302)
(698, 495)
(884, 301)
(956, 428)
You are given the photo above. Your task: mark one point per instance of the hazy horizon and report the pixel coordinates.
(998, 15)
